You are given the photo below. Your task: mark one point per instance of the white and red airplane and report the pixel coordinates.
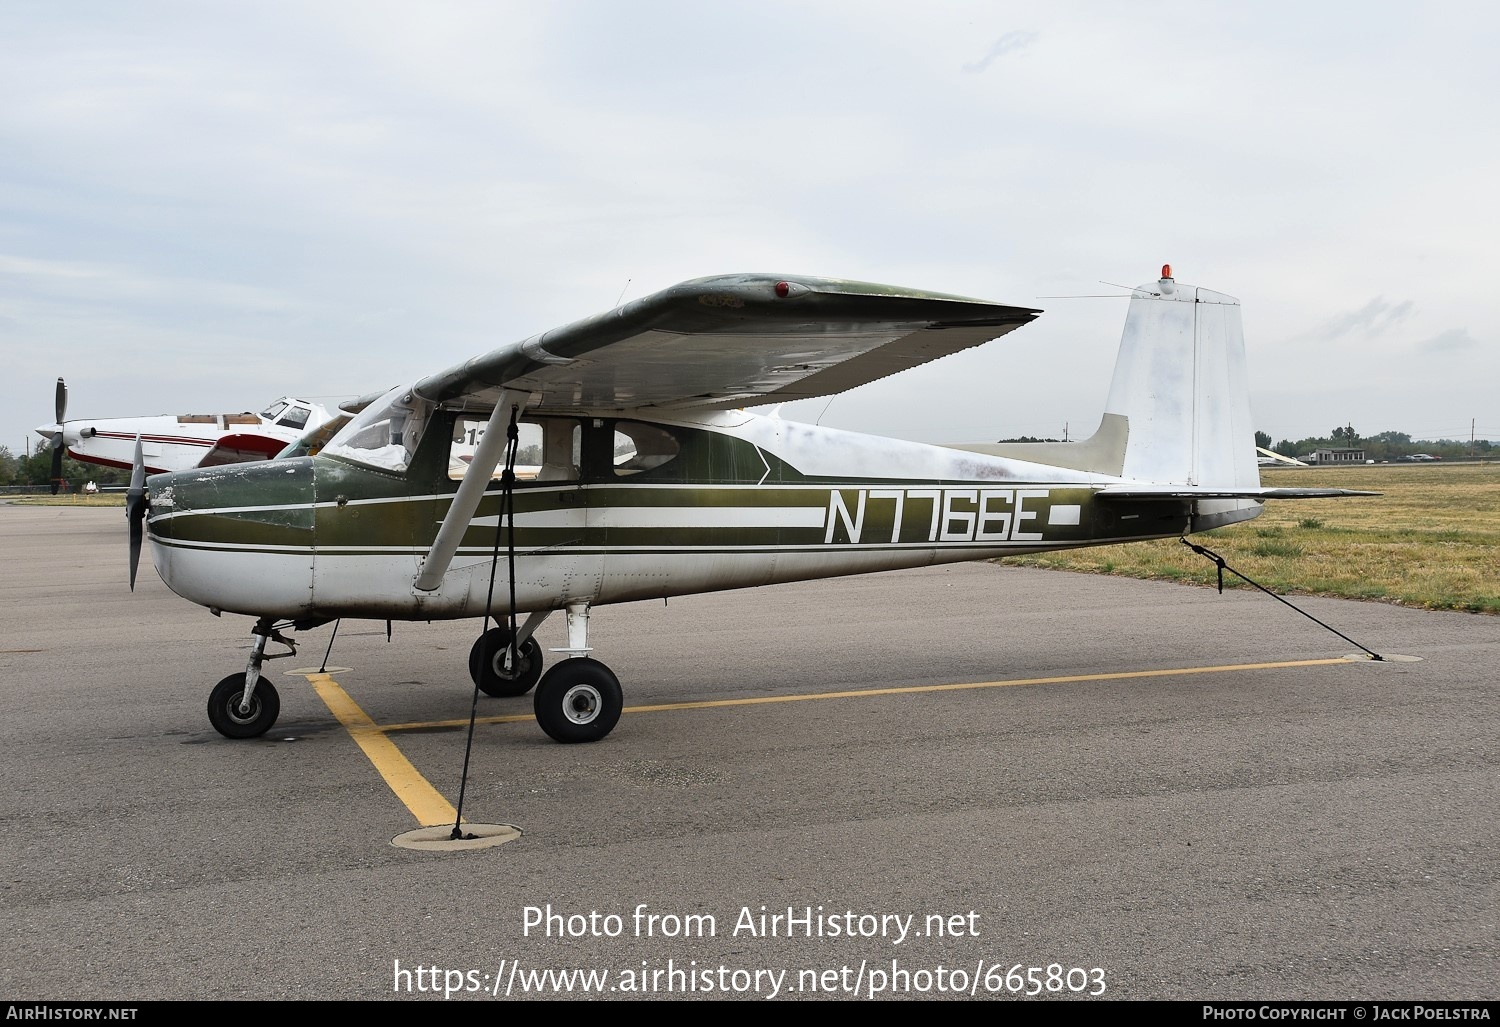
(179, 442)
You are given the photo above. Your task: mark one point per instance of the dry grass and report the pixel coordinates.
(1431, 540)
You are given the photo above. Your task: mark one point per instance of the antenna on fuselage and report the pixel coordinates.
(819, 421)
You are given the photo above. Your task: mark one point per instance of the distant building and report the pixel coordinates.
(1336, 456)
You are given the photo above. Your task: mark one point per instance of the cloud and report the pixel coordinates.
(1452, 340)
(1371, 319)
(1005, 44)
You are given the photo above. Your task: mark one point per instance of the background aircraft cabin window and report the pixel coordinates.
(295, 417)
(547, 448)
(270, 412)
(641, 447)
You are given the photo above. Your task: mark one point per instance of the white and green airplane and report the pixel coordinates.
(613, 460)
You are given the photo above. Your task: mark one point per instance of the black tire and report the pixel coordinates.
(487, 664)
(579, 700)
(224, 708)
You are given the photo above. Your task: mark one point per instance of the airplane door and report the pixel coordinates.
(555, 564)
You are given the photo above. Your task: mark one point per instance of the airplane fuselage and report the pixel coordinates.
(177, 442)
(745, 500)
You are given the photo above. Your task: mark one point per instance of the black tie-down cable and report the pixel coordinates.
(1216, 558)
(506, 522)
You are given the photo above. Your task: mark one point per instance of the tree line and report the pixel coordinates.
(1386, 445)
(36, 470)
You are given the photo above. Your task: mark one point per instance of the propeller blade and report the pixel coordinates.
(61, 403)
(135, 509)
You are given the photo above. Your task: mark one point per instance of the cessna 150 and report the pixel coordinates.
(178, 442)
(648, 479)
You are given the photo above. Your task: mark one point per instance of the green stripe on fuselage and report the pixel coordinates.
(351, 509)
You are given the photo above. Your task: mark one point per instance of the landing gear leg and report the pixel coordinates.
(243, 705)
(579, 699)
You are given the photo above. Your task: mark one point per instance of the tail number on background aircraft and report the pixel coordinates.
(955, 515)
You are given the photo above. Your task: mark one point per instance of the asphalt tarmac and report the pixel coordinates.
(946, 778)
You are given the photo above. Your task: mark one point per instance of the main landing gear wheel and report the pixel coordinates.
(579, 700)
(488, 659)
(224, 708)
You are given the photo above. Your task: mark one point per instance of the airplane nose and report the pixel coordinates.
(69, 436)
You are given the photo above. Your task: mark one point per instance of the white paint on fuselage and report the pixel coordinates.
(377, 582)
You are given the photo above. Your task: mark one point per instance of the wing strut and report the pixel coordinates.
(487, 456)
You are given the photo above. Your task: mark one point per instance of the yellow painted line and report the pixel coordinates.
(425, 802)
(964, 686)
(862, 693)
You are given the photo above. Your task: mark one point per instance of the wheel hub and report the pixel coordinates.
(582, 703)
(503, 668)
(238, 714)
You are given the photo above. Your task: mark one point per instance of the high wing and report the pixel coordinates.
(729, 341)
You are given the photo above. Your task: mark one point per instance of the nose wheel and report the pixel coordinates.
(245, 705)
(233, 718)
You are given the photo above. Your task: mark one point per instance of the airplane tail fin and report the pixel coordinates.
(1177, 422)
(1182, 388)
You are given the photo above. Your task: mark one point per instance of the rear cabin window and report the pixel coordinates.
(641, 447)
(658, 453)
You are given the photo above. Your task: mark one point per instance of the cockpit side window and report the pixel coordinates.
(548, 449)
(270, 413)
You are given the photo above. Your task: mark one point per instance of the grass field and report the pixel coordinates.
(1432, 539)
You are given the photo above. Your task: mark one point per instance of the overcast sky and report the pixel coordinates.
(207, 205)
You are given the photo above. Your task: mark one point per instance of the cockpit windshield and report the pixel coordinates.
(314, 439)
(270, 412)
(295, 416)
(385, 434)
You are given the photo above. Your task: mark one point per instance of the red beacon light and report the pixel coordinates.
(1167, 286)
(783, 289)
